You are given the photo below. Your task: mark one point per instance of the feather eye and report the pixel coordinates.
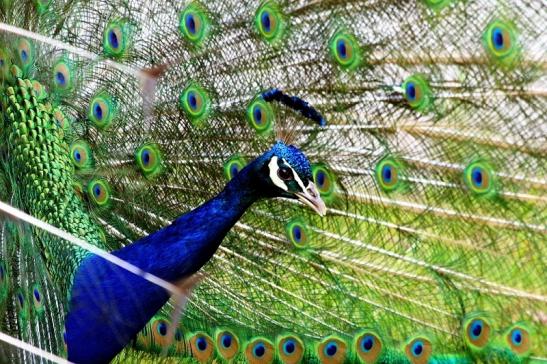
(261, 116)
(259, 351)
(25, 53)
(38, 299)
(519, 339)
(4, 281)
(227, 344)
(117, 38)
(194, 23)
(61, 119)
(477, 331)
(233, 165)
(149, 160)
(5, 63)
(81, 155)
(479, 178)
(324, 181)
(99, 193)
(388, 174)
(102, 110)
(158, 333)
(332, 350)
(39, 90)
(270, 22)
(22, 308)
(418, 350)
(63, 76)
(418, 93)
(179, 342)
(368, 346)
(196, 104)
(298, 233)
(500, 40)
(345, 50)
(290, 349)
(202, 346)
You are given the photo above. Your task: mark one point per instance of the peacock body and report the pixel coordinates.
(146, 130)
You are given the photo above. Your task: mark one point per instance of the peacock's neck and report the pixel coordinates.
(172, 253)
(183, 247)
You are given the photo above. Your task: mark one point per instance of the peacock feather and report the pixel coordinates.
(181, 137)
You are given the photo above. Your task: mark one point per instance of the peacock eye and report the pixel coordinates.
(284, 173)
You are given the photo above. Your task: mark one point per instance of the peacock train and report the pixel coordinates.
(273, 181)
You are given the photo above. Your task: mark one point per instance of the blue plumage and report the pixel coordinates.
(110, 305)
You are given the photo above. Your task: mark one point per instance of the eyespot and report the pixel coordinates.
(324, 181)
(418, 93)
(61, 119)
(202, 346)
(479, 178)
(4, 63)
(2, 272)
(78, 189)
(38, 299)
(23, 309)
(477, 330)
(261, 116)
(500, 41)
(81, 155)
(285, 173)
(4, 281)
(332, 350)
(196, 103)
(259, 351)
(194, 24)
(39, 90)
(519, 339)
(98, 191)
(233, 165)
(149, 160)
(269, 22)
(102, 110)
(117, 39)
(180, 343)
(227, 344)
(345, 50)
(21, 301)
(63, 76)
(159, 329)
(25, 53)
(368, 346)
(290, 349)
(298, 233)
(418, 350)
(388, 173)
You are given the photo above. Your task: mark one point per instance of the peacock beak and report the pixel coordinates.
(311, 197)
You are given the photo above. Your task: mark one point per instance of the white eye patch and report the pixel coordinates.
(274, 167)
(273, 174)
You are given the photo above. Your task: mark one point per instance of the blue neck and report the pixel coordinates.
(183, 247)
(109, 305)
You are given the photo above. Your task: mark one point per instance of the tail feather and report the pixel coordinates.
(432, 166)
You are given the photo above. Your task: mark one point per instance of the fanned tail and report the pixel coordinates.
(432, 164)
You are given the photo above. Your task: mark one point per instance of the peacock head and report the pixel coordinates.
(286, 172)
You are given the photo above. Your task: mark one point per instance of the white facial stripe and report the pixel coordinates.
(273, 174)
(296, 177)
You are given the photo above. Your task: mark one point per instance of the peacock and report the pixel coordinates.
(273, 181)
